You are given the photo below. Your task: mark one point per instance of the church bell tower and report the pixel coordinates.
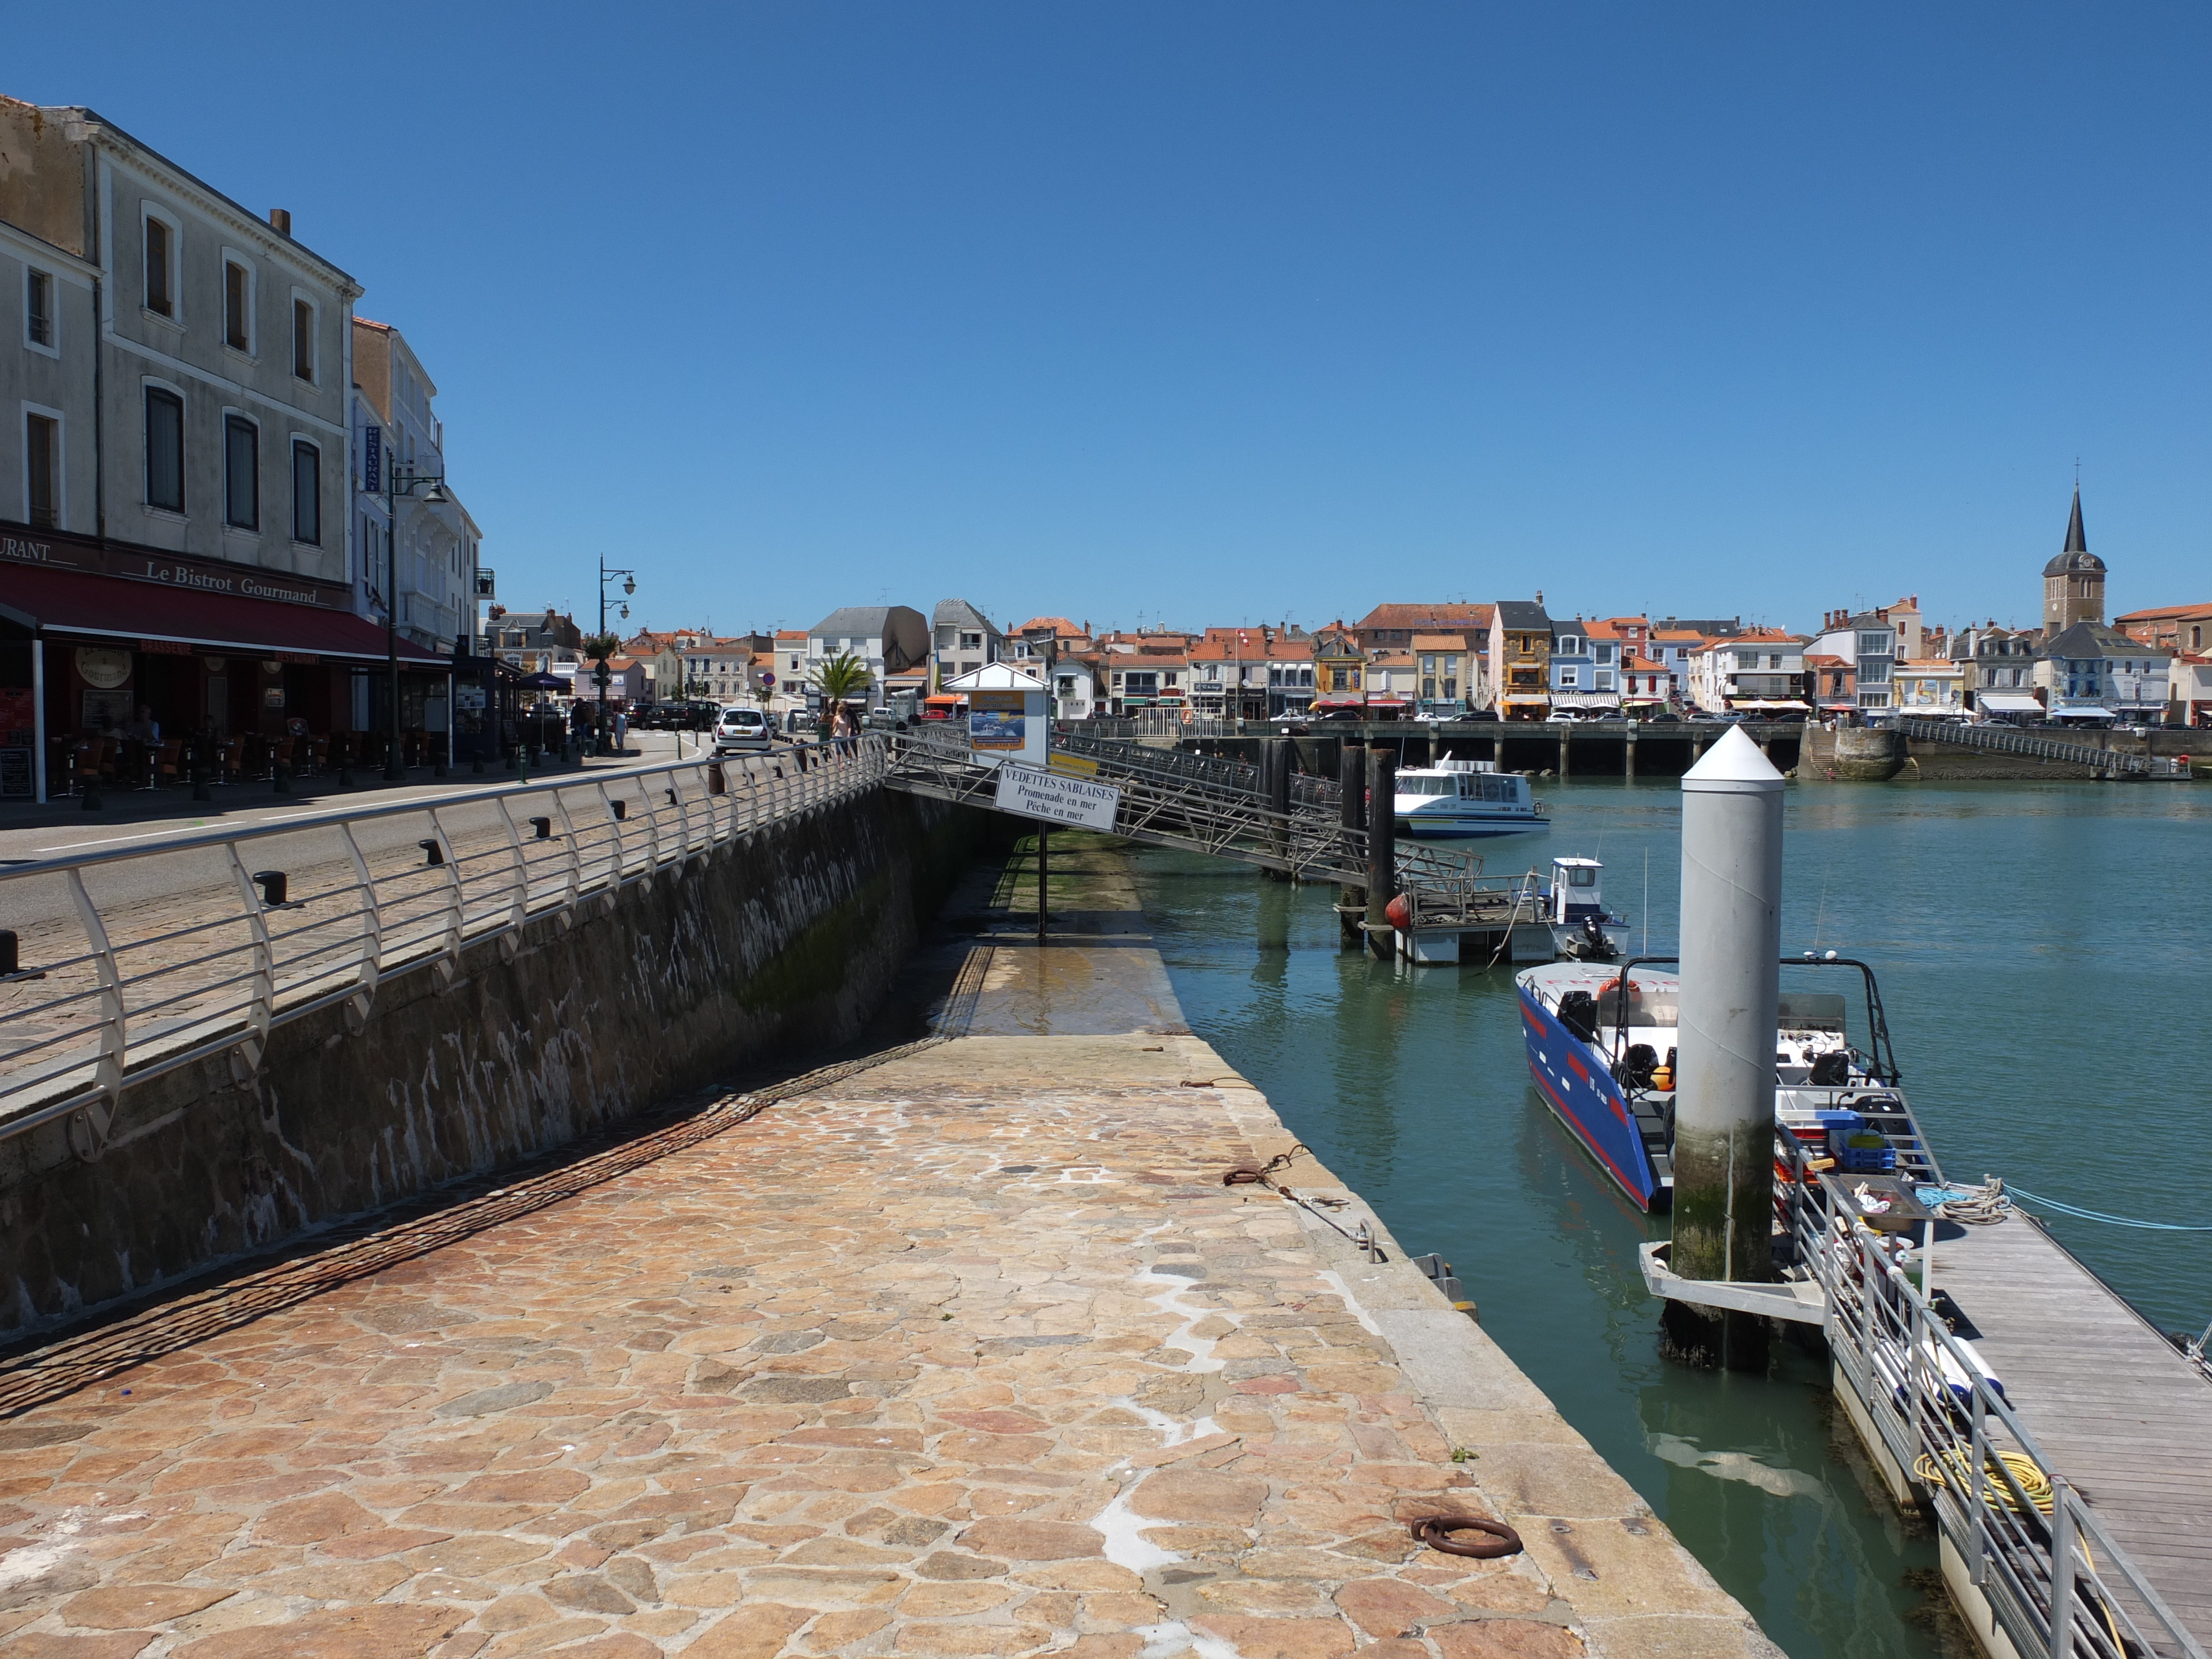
(2073, 582)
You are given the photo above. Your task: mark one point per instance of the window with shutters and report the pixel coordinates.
(42, 470)
(165, 449)
(39, 329)
(237, 306)
(160, 267)
(241, 473)
(303, 340)
(306, 494)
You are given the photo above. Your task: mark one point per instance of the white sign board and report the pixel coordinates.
(1055, 798)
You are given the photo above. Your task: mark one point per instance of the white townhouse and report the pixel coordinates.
(176, 377)
(433, 551)
(962, 640)
(891, 640)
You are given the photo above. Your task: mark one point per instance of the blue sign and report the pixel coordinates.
(372, 462)
(769, 680)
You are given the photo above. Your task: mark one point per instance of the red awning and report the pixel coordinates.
(71, 602)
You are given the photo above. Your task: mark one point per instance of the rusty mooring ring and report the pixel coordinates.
(1243, 1174)
(1436, 1531)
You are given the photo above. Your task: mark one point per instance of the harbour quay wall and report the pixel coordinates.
(1596, 749)
(786, 940)
(1842, 756)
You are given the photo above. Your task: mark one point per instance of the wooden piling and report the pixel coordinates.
(1351, 817)
(1382, 846)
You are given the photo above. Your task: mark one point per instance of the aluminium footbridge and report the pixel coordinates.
(1217, 807)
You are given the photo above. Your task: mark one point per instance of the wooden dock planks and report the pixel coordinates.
(2115, 1409)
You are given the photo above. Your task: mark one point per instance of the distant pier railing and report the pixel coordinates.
(114, 988)
(2010, 740)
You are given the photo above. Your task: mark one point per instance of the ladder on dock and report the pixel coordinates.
(2008, 740)
(1196, 803)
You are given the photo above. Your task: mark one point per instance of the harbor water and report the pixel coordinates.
(2041, 953)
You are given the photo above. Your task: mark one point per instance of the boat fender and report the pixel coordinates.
(1436, 1531)
(1399, 913)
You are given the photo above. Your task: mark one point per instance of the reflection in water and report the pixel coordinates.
(2019, 945)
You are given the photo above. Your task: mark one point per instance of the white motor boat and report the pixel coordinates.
(1459, 800)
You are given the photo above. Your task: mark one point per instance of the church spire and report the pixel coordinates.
(2075, 541)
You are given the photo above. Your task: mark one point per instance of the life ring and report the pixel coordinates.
(1436, 1531)
(1614, 984)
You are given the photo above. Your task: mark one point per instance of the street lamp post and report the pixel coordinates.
(435, 493)
(601, 674)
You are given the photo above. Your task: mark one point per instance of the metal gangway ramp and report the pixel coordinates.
(2008, 740)
(1198, 805)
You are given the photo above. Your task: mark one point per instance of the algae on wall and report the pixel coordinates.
(785, 941)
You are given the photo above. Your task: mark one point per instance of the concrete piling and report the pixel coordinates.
(1382, 846)
(1731, 932)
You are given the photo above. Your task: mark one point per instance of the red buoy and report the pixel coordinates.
(1399, 913)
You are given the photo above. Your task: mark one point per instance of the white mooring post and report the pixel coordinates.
(1731, 953)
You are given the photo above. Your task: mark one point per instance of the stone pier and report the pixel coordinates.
(960, 1346)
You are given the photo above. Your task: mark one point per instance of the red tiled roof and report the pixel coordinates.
(2160, 613)
(1416, 615)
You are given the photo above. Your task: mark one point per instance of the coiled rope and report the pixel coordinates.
(1976, 1206)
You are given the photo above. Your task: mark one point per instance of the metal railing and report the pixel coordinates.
(140, 960)
(2055, 1581)
(2008, 740)
(1306, 789)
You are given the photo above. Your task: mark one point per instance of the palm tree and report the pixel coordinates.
(839, 679)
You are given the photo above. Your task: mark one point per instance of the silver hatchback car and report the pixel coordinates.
(737, 730)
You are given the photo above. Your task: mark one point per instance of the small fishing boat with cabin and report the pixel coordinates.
(1601, 1044)
(1582, 928)
(1460, 799)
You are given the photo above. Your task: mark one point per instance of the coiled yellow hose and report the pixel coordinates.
(1956, 1471)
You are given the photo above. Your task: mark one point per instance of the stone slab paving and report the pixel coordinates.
(970, 1352)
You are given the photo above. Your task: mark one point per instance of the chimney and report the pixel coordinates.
(280, 220)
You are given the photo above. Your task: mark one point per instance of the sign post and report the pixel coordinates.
(1028, 791)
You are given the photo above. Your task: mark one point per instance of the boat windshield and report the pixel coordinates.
(1647, 1007)
(1419, 786)
(1809, 1010)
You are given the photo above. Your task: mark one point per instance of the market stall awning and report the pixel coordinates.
(101, 607)
(1584, 700)
(2009, 702)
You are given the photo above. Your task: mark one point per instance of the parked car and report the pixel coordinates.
(740, 729)
(1563, 717)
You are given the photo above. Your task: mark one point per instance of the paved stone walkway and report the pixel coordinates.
(969, 1354)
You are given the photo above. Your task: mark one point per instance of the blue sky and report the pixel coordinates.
(1220, 313)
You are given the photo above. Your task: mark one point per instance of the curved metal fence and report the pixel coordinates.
(134, 961)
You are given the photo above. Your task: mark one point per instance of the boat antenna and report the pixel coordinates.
(1646, 950)
(1819, 919)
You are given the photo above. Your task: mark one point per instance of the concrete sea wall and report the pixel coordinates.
(786, 940)
(1851, 754)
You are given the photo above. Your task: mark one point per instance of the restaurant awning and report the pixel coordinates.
(2082, 711)
(2009, 702)
(1787, 704)
(1584, 700)
(101, 607)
